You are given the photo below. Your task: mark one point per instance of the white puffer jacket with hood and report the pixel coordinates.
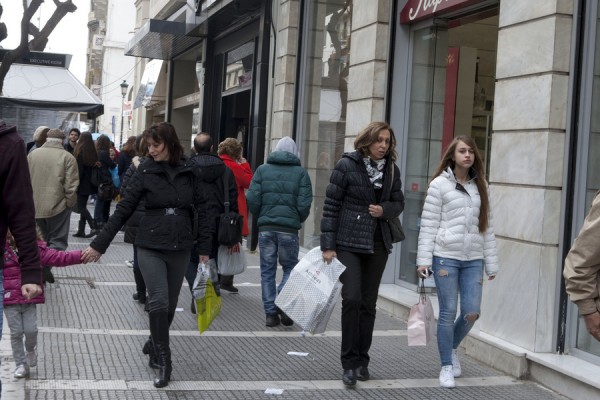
(450, 224)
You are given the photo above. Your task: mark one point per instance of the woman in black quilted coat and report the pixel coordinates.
(169, 186)
(364, 192)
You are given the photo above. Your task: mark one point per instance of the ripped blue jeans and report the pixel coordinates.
(451, 278)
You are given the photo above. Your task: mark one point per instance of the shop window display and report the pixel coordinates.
(326, 58)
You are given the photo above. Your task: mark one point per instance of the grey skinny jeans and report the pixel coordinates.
(22, 320)
(163, 272)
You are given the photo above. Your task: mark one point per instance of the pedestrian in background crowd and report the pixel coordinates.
(72, 139)
(230, 150)
(39, 138)
(582, 270)
(126, 155)
(455, 239)
(280, 195)
(87, 159)
(133, 223)
(17, 212)
(364, 192)
(55, 179)
(169, 187)
(20, 312)
(102, 207)
(214, 170)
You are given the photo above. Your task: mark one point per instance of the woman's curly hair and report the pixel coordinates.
(230, 147)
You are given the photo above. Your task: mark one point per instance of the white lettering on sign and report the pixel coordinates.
(423, 6)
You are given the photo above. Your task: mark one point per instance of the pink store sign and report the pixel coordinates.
(417, 10)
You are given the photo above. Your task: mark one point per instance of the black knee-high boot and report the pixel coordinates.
(149, 350)
(159, 329)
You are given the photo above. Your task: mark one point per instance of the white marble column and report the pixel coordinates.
(367, 80)
(526, 179)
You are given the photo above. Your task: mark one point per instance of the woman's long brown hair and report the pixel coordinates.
(447, 161)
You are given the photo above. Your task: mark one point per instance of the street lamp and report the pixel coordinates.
(124, 87)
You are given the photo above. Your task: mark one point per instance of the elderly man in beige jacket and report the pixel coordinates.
(54, 178)
(582, 270)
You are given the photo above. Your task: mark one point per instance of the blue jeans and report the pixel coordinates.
(271, 245)
(451, 277)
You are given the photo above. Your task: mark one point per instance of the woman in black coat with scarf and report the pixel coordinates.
(174, 205)
(363, 194)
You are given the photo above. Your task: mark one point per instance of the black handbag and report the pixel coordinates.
(107, 191)
(96, 176)
(230, 222)
(395, 225)
(396, 230)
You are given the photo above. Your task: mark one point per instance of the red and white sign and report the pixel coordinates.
(417, 10)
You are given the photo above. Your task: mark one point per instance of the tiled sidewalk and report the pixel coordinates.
(92, 332)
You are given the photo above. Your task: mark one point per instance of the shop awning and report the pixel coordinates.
(48, 88)
(162, 40)
(150, 80)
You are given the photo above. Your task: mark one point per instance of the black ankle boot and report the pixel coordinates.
(149, 350)
(80, 230)
(93, 230)
(140, 286)
(349, 377)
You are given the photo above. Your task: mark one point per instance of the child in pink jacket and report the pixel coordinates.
(21, 313)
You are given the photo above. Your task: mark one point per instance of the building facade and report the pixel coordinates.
(108, 67)
(520, 77)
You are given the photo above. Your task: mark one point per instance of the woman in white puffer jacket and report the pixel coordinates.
(456, 239)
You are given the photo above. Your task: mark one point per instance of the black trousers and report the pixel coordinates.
(84, 214)
(361, 281)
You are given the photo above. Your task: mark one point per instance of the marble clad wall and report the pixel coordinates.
(526, 180)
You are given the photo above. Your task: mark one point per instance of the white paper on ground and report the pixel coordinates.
(179, 309)
(297, 353)
(273, 391)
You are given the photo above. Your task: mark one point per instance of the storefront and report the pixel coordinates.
(513, 79)
(586, 150)
(451, 64)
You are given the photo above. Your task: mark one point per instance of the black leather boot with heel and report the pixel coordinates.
(148, 349)
(80, 230)
(159, 329)
(93, 229)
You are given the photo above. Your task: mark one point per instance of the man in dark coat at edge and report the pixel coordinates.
(213, 169)
(17, 211)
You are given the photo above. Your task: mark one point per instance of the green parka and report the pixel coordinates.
(280, 193)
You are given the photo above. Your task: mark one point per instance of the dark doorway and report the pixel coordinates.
(235, 118)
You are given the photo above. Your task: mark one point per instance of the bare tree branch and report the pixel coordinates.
(62, 8)
(38, 42)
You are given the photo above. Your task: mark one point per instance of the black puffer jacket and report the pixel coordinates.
(213, 169)
(153, 184)
(346, 220)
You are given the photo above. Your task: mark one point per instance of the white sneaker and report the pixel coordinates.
(32, 358)
(456, 364)
(22, 371)
(129, 263)
(447, 377)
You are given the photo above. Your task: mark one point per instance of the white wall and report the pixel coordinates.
(116, 66)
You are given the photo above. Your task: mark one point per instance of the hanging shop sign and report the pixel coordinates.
(417, 10)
